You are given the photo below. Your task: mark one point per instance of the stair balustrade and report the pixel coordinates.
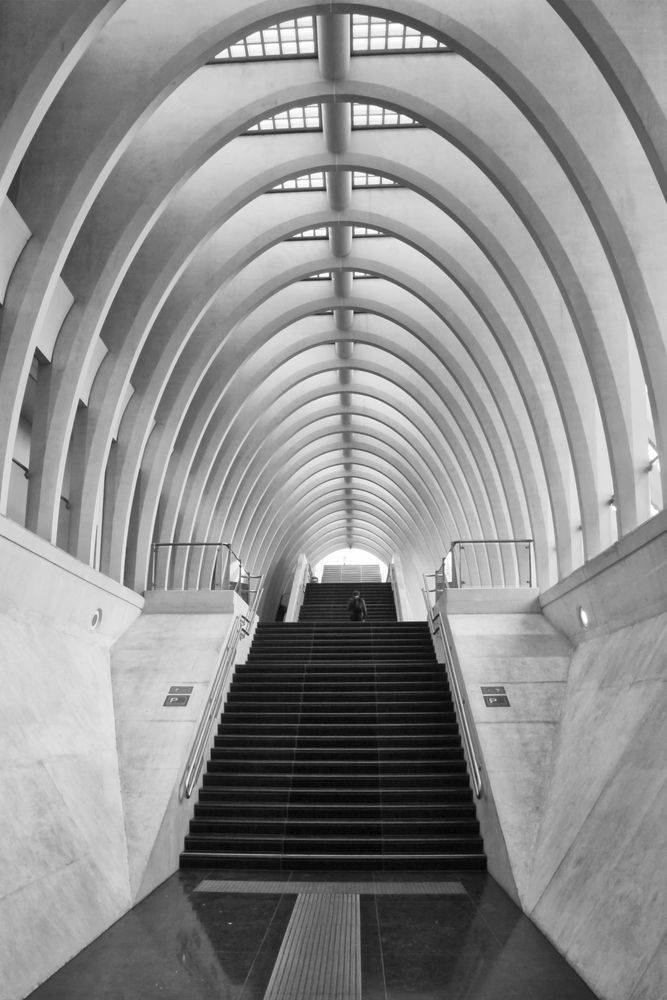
(338, 749)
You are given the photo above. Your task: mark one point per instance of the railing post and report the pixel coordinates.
(226, 567)
(451, 668)
(529, 547)
(452, 553)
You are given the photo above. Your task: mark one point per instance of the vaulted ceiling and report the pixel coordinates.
(401, 286)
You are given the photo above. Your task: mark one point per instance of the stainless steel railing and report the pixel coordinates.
(437, 626)
(391, 578)
(242, 625)
(508, 561)
(200, 566)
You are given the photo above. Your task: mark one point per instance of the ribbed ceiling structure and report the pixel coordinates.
(487, 362)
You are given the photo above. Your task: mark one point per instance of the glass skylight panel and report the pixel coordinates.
(361, 179)
(364, 231)
(374, 34)
(320, 233)
(319, 276)
(376, 116)
(304, 182)
(303, 119)
(295, 37)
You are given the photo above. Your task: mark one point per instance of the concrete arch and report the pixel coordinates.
(282, 487)
(157, 465)
(239, 394)
(388, 375)
(602, 256)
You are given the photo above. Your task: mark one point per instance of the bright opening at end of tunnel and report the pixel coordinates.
(350, 557)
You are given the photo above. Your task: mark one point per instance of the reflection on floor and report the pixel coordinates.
(318, 936)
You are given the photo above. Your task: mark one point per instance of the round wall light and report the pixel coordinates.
(96, 619)
(582, 614)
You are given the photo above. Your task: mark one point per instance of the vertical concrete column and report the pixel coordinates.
(337, 125)
(339, 189)
(342, 282)
(340, 239)
(333, 45)
(343, 319)
(344, 349)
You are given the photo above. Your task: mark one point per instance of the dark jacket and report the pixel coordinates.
(357, 608)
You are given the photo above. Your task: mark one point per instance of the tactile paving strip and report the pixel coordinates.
(333, 888)
(320, 956)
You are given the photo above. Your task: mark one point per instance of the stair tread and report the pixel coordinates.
(338, 745)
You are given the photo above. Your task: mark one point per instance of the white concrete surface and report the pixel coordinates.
(64, 874)
(93, 815)
(577, 765)
(154, 740)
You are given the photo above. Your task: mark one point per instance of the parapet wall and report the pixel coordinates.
(576, 765)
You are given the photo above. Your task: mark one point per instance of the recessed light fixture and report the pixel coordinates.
(583, 617)
(96, 618)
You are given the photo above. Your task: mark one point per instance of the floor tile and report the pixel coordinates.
(184, 944)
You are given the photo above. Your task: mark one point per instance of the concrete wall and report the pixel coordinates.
(500, 643)
(598, 887)
(64, 876)
(177, 643)
(577, 765)
(92, 811)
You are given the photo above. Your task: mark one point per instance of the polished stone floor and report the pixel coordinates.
(405, 936)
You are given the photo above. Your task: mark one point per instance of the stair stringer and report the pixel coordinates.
(154, 740)
(522, 653)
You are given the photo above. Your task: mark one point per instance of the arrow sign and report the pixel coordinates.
(496, 701)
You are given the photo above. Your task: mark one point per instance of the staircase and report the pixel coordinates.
(351, 574)
(338, 749)
(328, 602)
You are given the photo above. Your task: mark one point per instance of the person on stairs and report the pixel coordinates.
(357, 608)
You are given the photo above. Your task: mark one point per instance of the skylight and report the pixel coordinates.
(374, 34)
(319, 276)
(320, 233)
(304, 182)
(315, 182)
(287, 40)
(302, 119)
(361, 179)
(297, 38)
(375, 116)
(309, 118)
(364, 231)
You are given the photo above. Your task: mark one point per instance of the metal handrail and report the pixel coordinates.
(296, 598)
(459, 544)
(248, 619)
(155, 546)
(391, 578)
(459, 697)
(195, 760)
(242, 625)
